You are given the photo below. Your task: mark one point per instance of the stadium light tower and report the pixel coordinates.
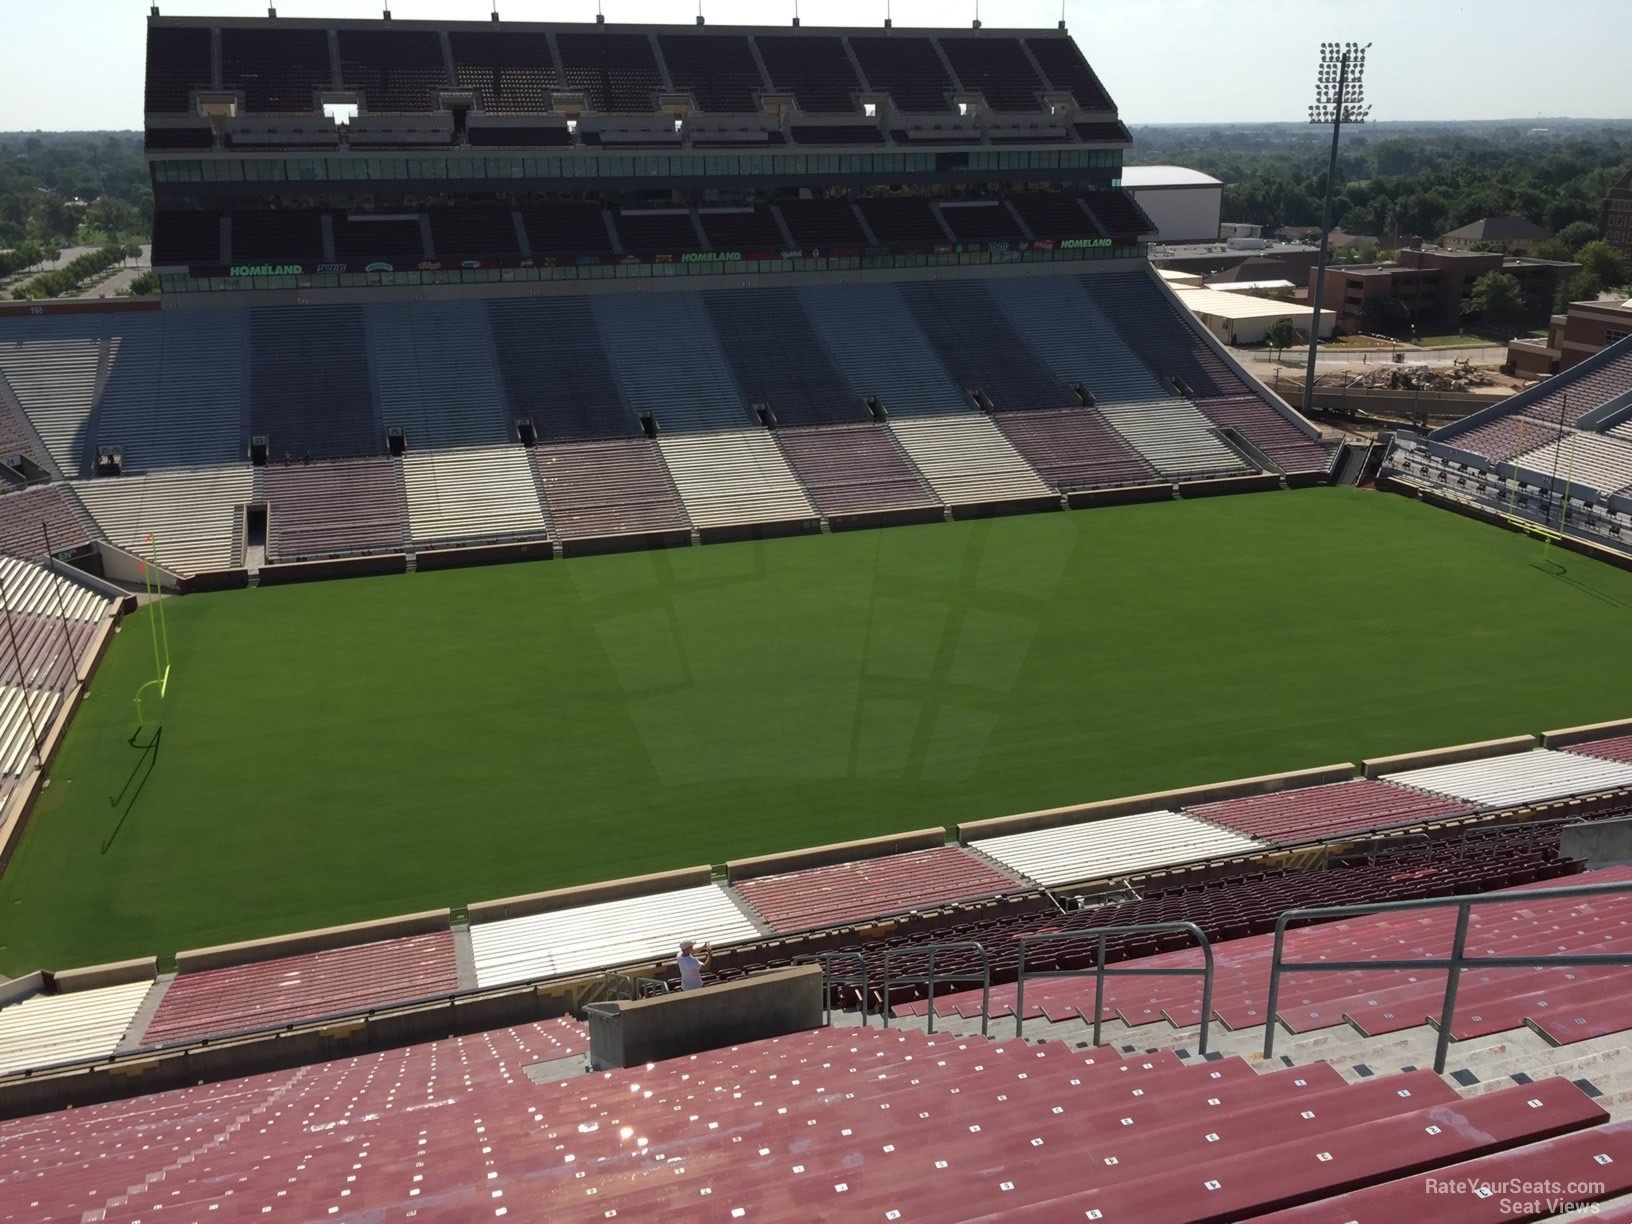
(1340, 97)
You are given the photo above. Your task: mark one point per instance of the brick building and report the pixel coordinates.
(1615, 222)
(1432, 283)
(1572, 337)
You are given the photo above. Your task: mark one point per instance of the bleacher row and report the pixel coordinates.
(583, 231)
(510, 944)
(516, 70)
(1558, 454)
(887, 400)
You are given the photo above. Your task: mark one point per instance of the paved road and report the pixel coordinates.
(120, 279)
(1297, 359)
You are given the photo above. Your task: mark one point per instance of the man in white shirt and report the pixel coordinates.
(691, 968)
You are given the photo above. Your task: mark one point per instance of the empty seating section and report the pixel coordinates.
(854, 469)
(310, 391)
(279, 70)
(1063, 65)
(1616, 748)
(334, 508)
(51, 365)
(1523, 777)
(1173, 437)
(45, 1029)
(835, 133)
(469, 495)
(848, 892)
(1162, 332)
(716, 69)
(668, 361)
(815, 70)
(1287, 446)
(1596, 461)
(511, 73)
(283, 235)
(290, 989)
(565, 227)
(1499, 440)
(27, 515)
(1113, 848)
(905, 67)
(1568, 397)
(978, 346)
(611, 488)
(199, 411)
(616, 73)
(735, 477)
(47, 654)
(395, 71)
(178, 62)
(822, 223)
(745, 230)
(556, 370)
(1065, 328)
(778, 358)
(186, 237)
(434, 369)
(967, 461)
(1118, 214)
(1073, 448)
(988, 221)
(26, 715)
(1055, 216)
(606, 934)
(473, 233)
(657, 231)
(125, 411)
(189, 515)
(365, 236)
(33, 590)
(1313, 813)
(878, 345)
(997, 69)
(902, 219)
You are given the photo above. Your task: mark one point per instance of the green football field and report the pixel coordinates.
(349, 750)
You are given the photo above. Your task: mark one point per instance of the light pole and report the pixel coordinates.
(1340, 97)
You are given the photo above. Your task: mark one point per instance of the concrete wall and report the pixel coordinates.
(336, 567)
(483, 554)
(116, 973)
(1229, 484)
(1155, 801)
(837, 852)
(1565, 736)
(125, 568)
(1375, 766)
(626, 1034)
(311, 941)
(1598, 842)
(633, 541)
(589, 894)
(1125, 495)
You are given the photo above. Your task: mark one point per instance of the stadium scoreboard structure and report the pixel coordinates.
(311, 153)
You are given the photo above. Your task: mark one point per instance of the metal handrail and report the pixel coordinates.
(928, 979)
(1099, 972)
(831, 979)
(1453, 964)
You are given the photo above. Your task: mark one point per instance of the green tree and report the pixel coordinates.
(1496, 299)
(1577, 234)
(1578, 288)
(1603, 263)
(1282, 335)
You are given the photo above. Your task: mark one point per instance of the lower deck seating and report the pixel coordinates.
(1074, 448)
(470, 495)
(1311, 813)
(335, 508)
(605, 934)
(289, 989)
(1522, 777)
(47, 653)
(44, 1029)
(1501, 439)
(966, 461)
(734, 478)
(189, 515)
(1594, 460)
(854, 469)
(1282, 442)
(1109, 849)
(867, 888)
(1615, 748)
(1173, 438)
(25, 720)
(29, 516)
(611, 488)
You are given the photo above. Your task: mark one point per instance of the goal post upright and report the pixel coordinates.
(152, 584)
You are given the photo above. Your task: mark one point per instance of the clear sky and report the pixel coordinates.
(1165, 61)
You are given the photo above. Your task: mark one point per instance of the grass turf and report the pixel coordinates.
(349, 750)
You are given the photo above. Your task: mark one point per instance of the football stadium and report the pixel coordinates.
(672, 619)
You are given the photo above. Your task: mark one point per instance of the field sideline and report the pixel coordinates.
(349, 750)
